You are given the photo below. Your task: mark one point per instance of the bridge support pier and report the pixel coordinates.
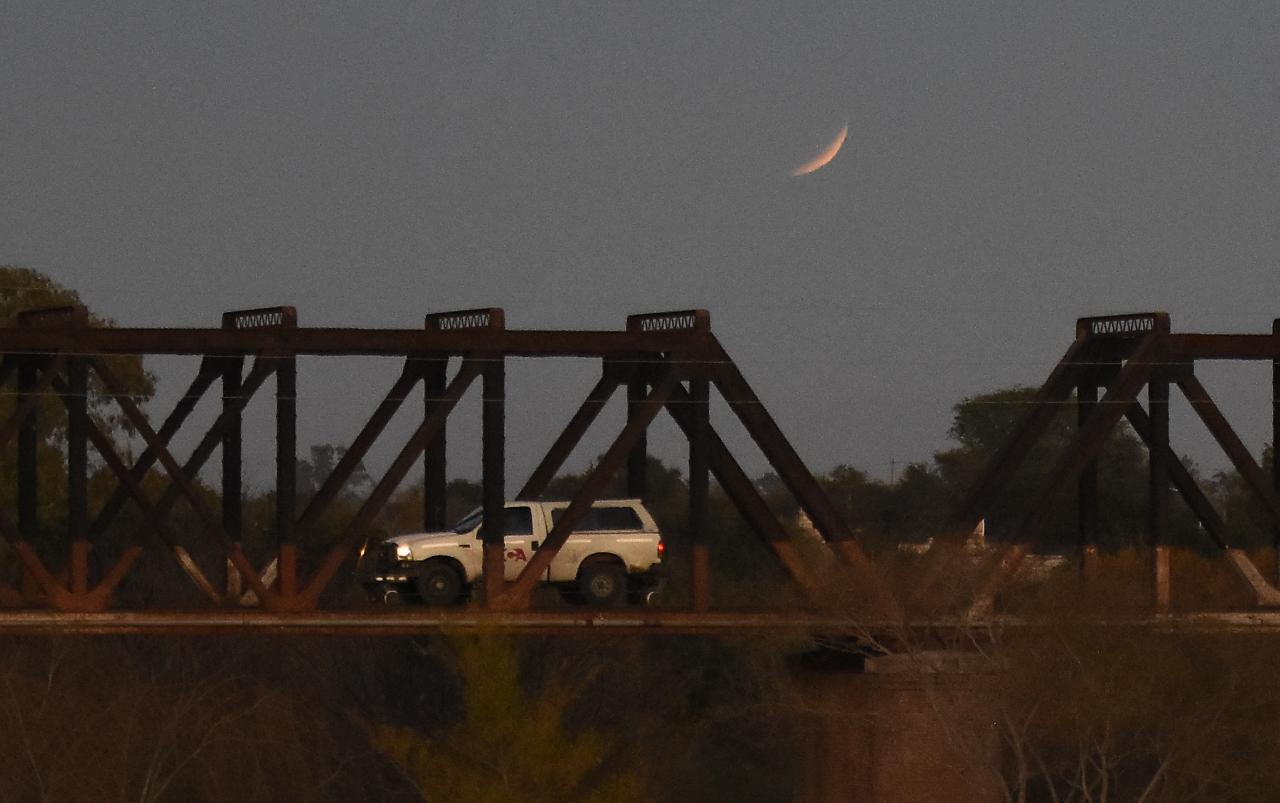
(909, 728)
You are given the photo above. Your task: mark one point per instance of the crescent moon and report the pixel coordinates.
(824, 156)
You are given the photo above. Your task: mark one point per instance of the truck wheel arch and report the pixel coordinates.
(603, 557)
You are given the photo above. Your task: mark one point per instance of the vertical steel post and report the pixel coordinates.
(28, 444)
(1158, 488)
(434, 462)
(699, 485)
(493, 437)
(1275, 441)
(286, 473)
(28, 474)
(232, 467)
(77, 405)
(638, 458)
(1087, 488)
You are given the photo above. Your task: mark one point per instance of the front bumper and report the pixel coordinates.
(382, 575)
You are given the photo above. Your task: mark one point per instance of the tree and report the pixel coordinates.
(24, 289)
(177, 720)
(403, 514)
(1246, 518)
(984, 422)
(1095, 712)
(512, 743)
(911, 509)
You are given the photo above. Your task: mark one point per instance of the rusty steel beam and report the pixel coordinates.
(154, 515)
(1046, 405)
(260, 318)
(795, 475)
(1125, 328)
(1231, 444)
(638, 459)
(603, 624)
(1265, 594)
(286, 472)
(29, 559)
(742, 492)
(1275, 442)
(355, 529)
(33, 379)
(572, 433)
(435, 479)
(35, 374)
(1182, 480)
(1100, 342)
(355, 453)
(489, 319)
(31, 384)
(26, 421)
(1087, 514)
(180, 478)
(1128, 383)
(407, 622)
(517, 593)
(1066, 373)
(28, 399)
(204, 379)
(1158, 488)
(274, 318)
(71, 316)
(232, 370)
(272, 337)
(104, 446)
(493, 494)
(699, 492)
(96, 599)
(435, 461)
(132, 487)
(76, 401)
(305, 341)
(1185, 347)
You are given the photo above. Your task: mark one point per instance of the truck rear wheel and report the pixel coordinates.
(440, 583)
(602, 582)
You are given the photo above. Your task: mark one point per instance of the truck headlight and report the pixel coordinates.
(403, 552)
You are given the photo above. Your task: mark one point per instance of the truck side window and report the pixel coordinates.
(603, 518)
(518, 521)
(617, 518)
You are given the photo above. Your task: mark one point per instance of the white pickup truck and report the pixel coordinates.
(614, 553)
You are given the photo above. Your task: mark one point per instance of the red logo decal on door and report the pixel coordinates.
(516, 554)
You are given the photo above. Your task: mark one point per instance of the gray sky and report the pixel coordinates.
(1009, 167)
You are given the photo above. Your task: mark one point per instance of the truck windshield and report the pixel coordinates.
(469, 522)
(517, 520)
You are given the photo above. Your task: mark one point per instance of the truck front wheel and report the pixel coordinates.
(602, 582)
(439, 584)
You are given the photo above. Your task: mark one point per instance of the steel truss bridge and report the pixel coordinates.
(667, 361)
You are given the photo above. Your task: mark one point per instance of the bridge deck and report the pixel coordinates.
(586, 623)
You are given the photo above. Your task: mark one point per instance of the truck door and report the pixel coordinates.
(581, 542)
(517, 540)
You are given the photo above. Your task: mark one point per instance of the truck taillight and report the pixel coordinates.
(661, 548)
